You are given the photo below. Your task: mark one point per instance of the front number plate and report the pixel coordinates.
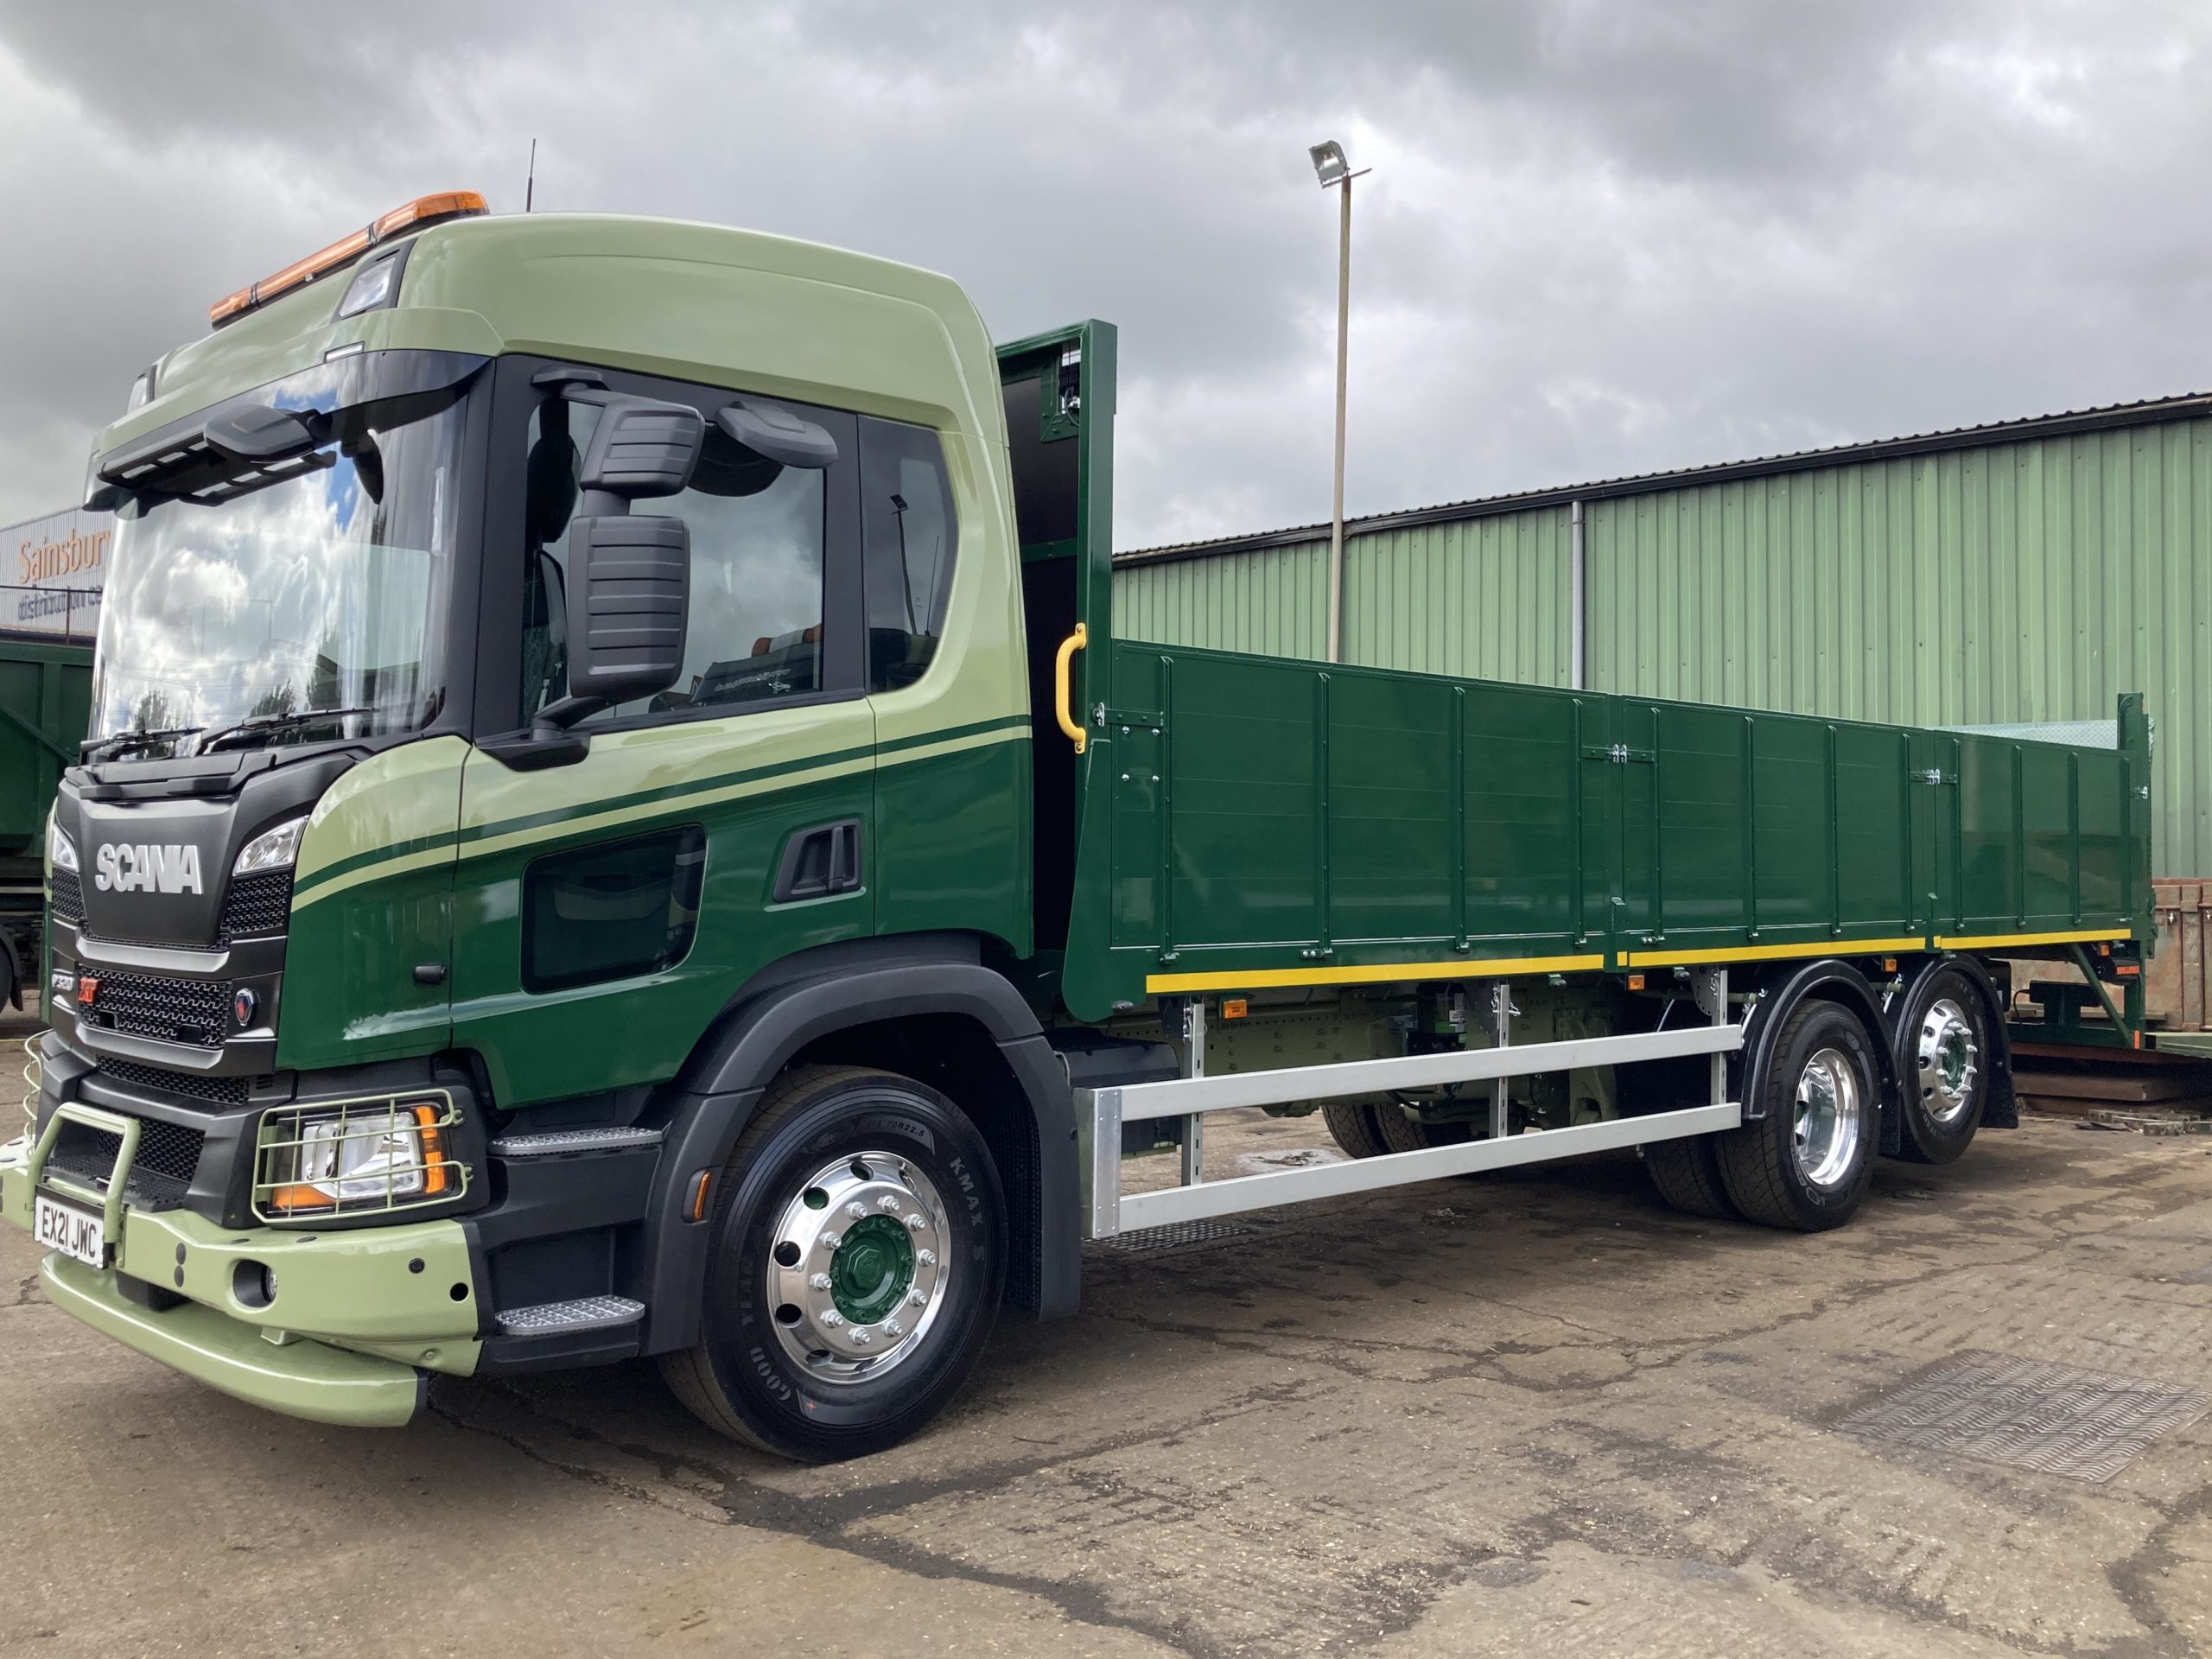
(70, 1228)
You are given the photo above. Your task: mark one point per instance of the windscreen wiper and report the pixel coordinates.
(123, 743)
(267, 725)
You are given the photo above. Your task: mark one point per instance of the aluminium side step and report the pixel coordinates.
(563, 1318)
(1100, 1114)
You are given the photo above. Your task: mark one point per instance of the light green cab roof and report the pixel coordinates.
(698, 302)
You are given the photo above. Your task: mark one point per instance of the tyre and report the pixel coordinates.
(1945, 1051)
(1805, 1165)
(1351, 1126)
(1686, 1173)
(859, 1250)
(1399, 1133)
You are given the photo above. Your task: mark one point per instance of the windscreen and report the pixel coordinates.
(307, 607)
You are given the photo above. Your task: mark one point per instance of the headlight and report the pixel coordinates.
(272, 850)
(382, 1154)
(60, 848)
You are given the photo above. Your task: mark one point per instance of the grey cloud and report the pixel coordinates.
(1600, 237)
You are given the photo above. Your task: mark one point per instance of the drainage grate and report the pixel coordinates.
(2057, 1419)
(1148, 1241)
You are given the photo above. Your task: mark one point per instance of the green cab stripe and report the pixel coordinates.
(898, 751)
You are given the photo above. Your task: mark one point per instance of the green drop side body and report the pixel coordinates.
(1270, 822)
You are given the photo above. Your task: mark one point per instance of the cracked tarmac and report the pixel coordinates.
(1532, 1411)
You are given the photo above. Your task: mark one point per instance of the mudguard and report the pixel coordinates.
(839, 990)
(1837, 981)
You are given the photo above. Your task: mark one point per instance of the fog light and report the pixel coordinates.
(253, 1284)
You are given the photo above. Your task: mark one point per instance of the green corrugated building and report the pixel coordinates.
(2024, 572)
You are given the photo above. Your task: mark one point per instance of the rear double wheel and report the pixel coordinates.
(858, 1254)
(1948, 1055)
(1352, 1125)
(1804, 1164)
(1367, 1128)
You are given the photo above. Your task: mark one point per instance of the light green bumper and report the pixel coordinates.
(300, 1378)
(357, 1318)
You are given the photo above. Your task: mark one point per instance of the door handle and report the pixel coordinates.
(1063, 700)
(820, 862)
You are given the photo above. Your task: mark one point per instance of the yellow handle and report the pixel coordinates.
(1061, 664)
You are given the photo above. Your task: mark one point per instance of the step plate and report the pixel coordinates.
(557, 1142)
(584, 1313)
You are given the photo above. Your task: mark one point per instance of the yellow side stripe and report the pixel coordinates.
(1772, 952)
(1998, 941)
(1260, 979)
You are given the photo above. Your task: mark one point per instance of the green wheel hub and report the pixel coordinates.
(872, 1270)
(858, 1267)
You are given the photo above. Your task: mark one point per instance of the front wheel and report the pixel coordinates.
(1805, 1164)
(858, 1253)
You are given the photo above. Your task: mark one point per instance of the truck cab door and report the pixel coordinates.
(607, 909)
(1058, 393)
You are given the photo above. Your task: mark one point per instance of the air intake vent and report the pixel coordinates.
(155, 1005)
(168, 1158)
(68, 899)
(258, 905)
(160, 1080)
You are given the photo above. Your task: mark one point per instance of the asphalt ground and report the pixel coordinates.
(1532, 1412)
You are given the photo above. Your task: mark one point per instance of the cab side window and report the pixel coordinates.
(760, 622)
(907, 523)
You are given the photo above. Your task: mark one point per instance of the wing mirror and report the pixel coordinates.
(629, 577)
(772, 431)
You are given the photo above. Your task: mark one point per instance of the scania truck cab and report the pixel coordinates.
(614, 824)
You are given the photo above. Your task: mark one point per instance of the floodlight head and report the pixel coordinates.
(1329, 164)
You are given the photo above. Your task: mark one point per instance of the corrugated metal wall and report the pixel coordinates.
(2030, 581)
(1485, 597)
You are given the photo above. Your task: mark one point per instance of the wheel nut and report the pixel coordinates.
(888, 1201)
(892, 1328)
(856, 1209)
(820, 1282)
(927, 1258)
(915, 1299)
(832, 1318)
(916, 1221)
(830, 1240)
(862, 1336)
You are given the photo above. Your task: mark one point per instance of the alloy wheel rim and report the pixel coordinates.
(1828, 1119)
(1950, 1060)
(855, 1271)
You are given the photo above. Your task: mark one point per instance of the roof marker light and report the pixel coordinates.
(409, 216)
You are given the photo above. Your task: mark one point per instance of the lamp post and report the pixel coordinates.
(1334, 170)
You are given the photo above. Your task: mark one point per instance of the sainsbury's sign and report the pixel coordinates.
(51, 571)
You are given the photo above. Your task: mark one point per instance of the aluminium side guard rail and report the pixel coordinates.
(1100, 1114)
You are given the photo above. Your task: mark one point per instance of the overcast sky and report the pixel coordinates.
(1601, 237)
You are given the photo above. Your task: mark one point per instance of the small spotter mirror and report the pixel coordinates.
(643, 448)
(772, 430)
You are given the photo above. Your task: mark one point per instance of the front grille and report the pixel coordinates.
(68, 899)
(257, 905)
(155, 1005)
(161, 1174)
(193, 1086)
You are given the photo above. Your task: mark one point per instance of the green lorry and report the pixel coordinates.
(616, 824)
